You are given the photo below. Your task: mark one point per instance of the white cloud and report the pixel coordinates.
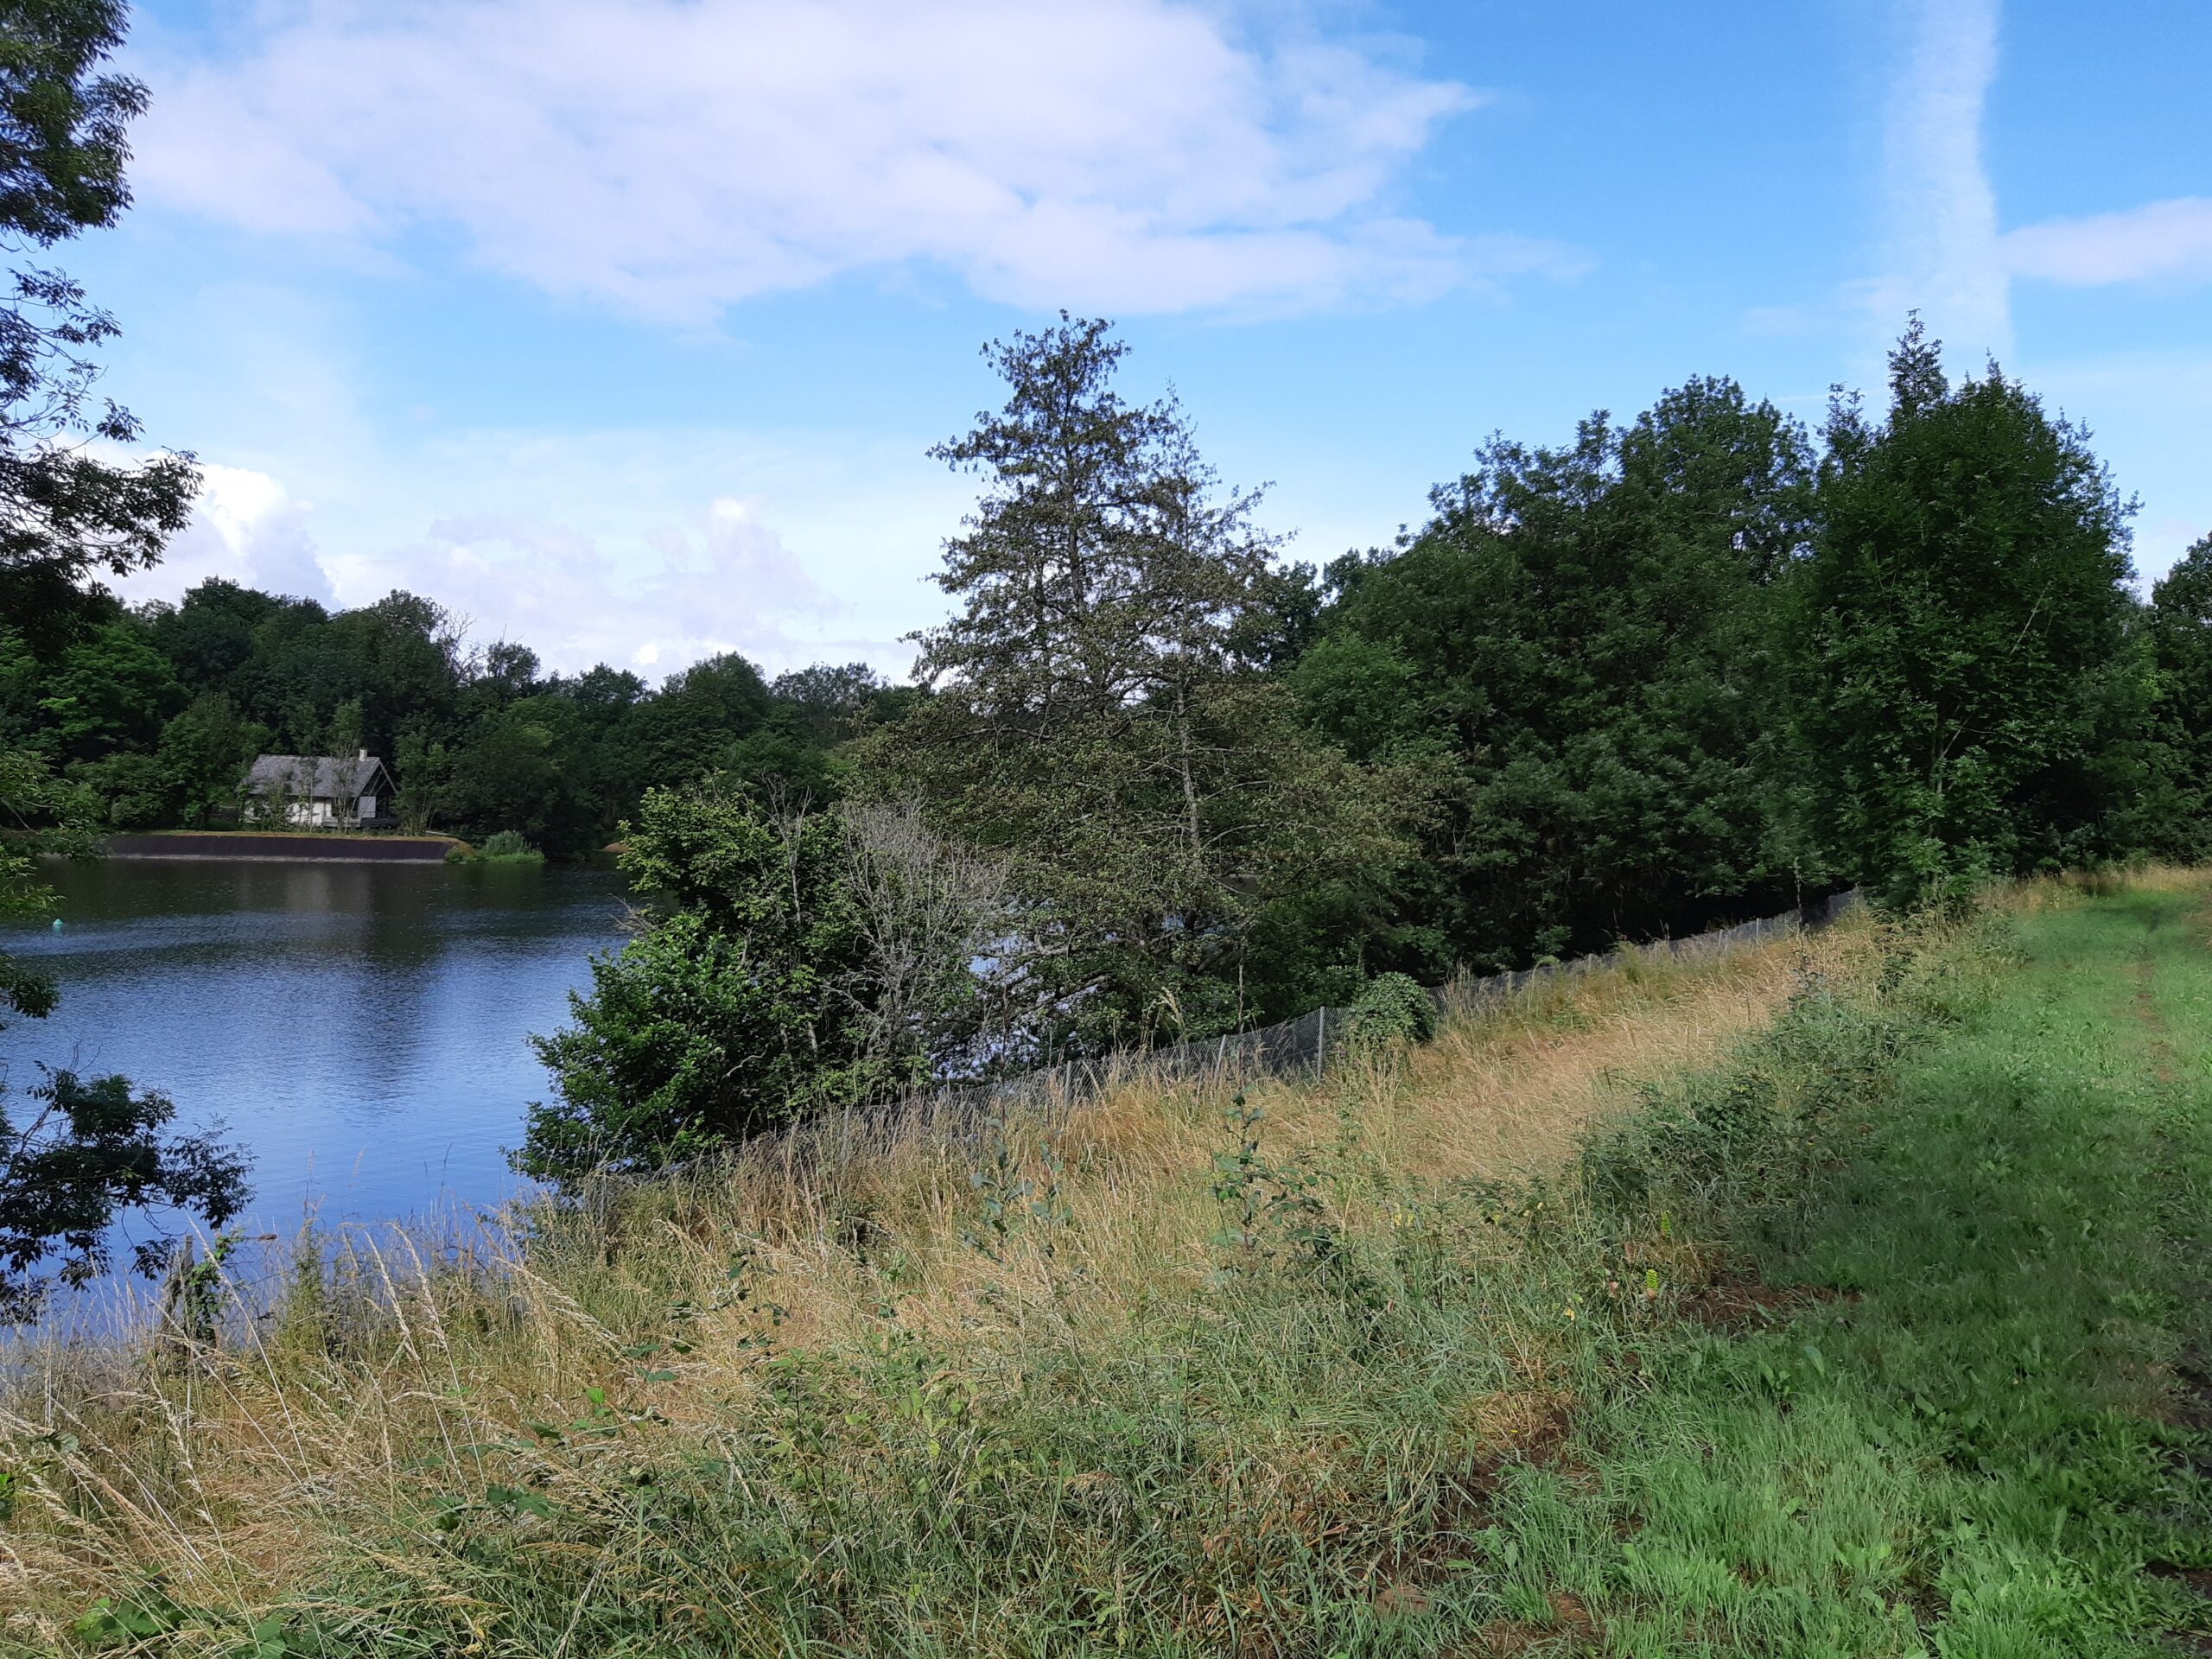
(722, 582)
(644, 548)
(1943, 256)
(247, 528)
(2162, 238)
(670, 157)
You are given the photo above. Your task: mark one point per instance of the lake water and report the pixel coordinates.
(360, 1028)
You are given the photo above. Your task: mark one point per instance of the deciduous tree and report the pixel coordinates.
(1970, 692)
(1577, 653)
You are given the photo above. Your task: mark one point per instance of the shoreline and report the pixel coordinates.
(276, 847)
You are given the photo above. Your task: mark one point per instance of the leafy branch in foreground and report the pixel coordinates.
(65, 513)
(90, 1150)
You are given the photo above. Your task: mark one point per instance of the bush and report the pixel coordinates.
(1390, 1012)
(508, 846)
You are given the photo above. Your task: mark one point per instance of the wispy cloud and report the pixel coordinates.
(1943, 256)
(2170, 240)
(670, 157)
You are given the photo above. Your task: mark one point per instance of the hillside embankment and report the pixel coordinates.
(1840, 1294)
(325, 845)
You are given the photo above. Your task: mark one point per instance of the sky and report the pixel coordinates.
(622, 327)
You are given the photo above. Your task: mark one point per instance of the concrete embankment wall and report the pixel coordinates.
(326, 848)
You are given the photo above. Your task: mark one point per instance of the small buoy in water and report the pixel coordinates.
(57, 923)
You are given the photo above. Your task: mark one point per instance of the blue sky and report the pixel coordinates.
(621, 325)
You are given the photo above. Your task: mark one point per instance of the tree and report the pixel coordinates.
(790, 965)
(111, 689)
(683, 732)
(1970, 694)
(209, 636)
(1576, 654)
(829, 704)
(204, 755)
(1094, 720)
(2181, 642)
(511, 773)
(732, 1013)
(88, 1149)
(66, 514)
(423, 769)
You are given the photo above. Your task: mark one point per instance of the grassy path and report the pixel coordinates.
(1966, 1442)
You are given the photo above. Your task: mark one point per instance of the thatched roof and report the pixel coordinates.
(316, 777)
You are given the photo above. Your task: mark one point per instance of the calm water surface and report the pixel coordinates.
(360, 1028)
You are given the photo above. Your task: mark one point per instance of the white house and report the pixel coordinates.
(318, 792)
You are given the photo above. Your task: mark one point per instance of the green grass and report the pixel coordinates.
(1962, 1446)
(1869, 1339)
(502, 846)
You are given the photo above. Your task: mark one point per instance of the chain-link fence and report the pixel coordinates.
(1299, 1047)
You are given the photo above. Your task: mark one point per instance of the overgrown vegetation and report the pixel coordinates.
(506, 847)
(1851, 1328)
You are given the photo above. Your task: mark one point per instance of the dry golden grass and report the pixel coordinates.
(251, 1474)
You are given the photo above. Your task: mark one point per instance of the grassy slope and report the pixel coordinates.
(1382, 1383)
(1965, 1454)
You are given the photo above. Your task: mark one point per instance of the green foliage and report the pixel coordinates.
(204, 754)
(477, 740)
(734, 1011)
(85, 1150)
(111, 689)
(1971, 695)
(69, 513)
(1577, 655)
(1097, 719)
(2180, 623)
(77, 683)
(38, 815)
(1391, 1012)
(508, 846)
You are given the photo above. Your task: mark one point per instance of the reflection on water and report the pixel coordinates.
(360, 1026)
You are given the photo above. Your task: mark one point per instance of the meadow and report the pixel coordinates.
(1837, 1295)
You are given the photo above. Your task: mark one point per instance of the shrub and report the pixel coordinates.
(1390, 1012)
(508, 846)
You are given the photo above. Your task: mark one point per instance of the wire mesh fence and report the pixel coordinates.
(1301, 1046)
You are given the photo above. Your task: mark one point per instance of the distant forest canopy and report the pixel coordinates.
(158, 710)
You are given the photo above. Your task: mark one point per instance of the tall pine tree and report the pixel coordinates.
(1096, 717)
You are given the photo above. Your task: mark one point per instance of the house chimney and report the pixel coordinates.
(363, 755)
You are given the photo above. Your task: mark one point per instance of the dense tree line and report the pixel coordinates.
(156, 710)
